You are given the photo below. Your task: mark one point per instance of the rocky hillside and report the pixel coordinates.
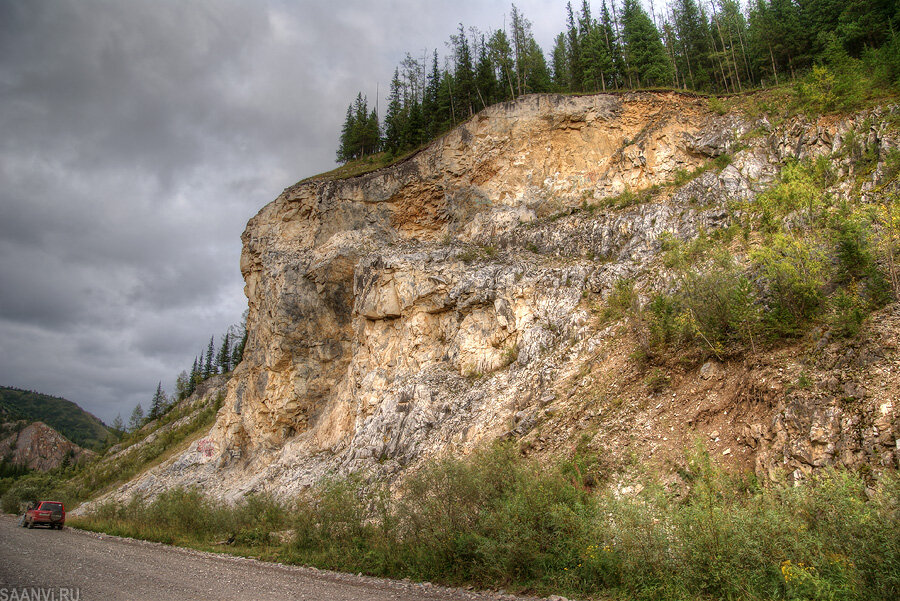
(469, 293)
(37, 446)
(63, 415)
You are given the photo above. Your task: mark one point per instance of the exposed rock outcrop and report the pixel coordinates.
(37, 446)
(446, 300)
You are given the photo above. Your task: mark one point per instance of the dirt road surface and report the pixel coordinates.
(98, 567)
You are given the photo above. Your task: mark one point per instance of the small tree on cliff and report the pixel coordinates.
(223, 359)
(118, 425)
(159, 402)
(209, 367)
(136, 419)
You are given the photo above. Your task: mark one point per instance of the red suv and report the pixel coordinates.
(48, 513)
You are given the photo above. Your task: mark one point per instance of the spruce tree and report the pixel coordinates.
(237, 354)
(574, 49)
(645, 54)
(537, 75)
(158, 403)
(414, 135)
(598, 64)
(463, 75)
(223, 359)
(394, 125)
(209, 366)
(346, 148)
(694, 54)
(485, 77)
(560, 62)
(136, 419)
(432, 120)
(182, 386)
(520, 34)
(196, 376)
(502, 59)
(372, 142)
(613, 48)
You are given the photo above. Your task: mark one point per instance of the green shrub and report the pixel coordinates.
(713, 309)
(816, 92)
(657, 381)
(496, 519)
(679, 254)
(884, 63)
(792, 274)
(622, 299)
(720, 306)
(717, 106)
(799, 188)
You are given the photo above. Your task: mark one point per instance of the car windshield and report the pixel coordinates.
(51, 506)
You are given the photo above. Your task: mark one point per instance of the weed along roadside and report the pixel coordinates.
(498, 520)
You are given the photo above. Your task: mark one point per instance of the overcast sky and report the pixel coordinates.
(136, 140)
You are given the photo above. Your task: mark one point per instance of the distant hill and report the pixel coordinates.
(69, 419)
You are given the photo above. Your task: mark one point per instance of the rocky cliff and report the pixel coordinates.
(449, 300)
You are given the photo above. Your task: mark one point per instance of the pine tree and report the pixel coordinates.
(183, 387)
(560, 62)
(223, 359)
(209, 366)
(574, 48)
(118, 426)
(502, 59)
(463, 75)
(645, 54)
(136, 419)
(237, 354)
(159, 403)
(485, 77)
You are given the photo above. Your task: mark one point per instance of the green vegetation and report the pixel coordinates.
(621, 300)
(66, 417)
(76, 483)
(831, 56)
(805, 259)
(496, 519)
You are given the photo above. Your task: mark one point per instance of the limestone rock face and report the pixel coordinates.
(444, 301)
(374, 301)
(37, 446)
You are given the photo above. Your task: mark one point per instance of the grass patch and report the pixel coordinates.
(362, 166)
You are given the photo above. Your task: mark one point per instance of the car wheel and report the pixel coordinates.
(30, 525)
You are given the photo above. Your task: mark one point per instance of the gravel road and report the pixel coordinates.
(100, 567)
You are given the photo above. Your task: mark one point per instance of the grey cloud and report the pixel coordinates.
(137, 139)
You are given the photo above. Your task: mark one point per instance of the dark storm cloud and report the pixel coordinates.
(137, 138)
